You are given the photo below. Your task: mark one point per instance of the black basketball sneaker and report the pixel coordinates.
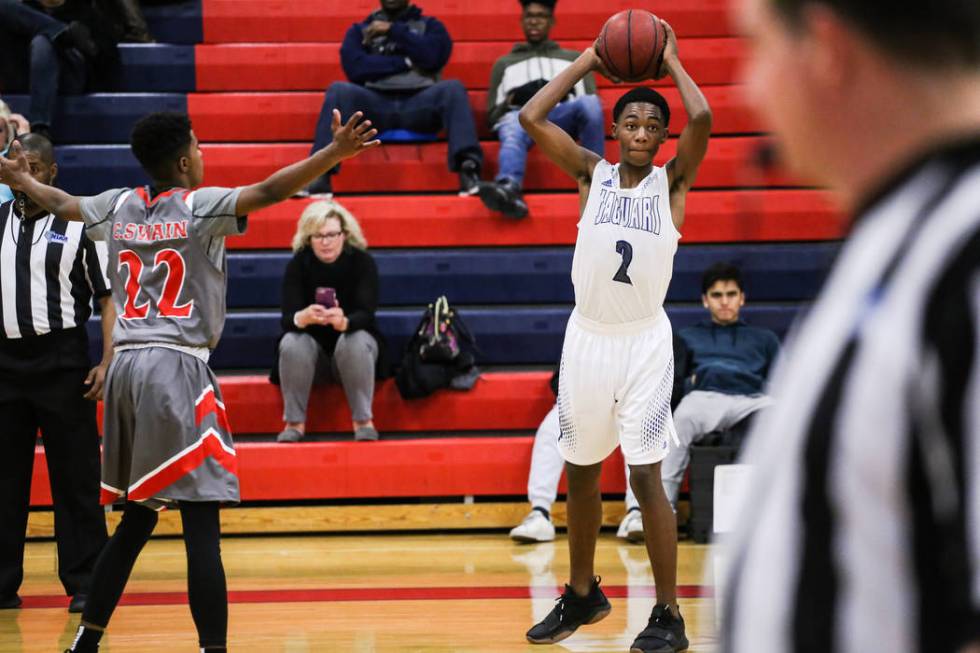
(664, 633)
(570, 612)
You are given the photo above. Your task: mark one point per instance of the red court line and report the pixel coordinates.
(373, 594)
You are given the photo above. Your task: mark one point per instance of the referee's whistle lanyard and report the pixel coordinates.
(15, 233)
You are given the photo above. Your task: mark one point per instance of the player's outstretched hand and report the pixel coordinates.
(670, 51)
(600, 65)
(14, 169)
(354, 136)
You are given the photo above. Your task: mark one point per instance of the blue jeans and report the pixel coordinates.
(442, 105)
(27, 31)
(581, 117)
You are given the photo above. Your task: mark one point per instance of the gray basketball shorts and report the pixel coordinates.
(167, 436)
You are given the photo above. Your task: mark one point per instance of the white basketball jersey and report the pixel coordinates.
(624, 254)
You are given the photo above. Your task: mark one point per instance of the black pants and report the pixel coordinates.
(53, 403)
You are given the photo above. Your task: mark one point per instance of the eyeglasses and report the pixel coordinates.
(330, 235)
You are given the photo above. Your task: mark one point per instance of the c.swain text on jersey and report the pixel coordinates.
(146, 233)
(641, 213)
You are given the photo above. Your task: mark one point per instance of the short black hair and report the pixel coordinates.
(38, 144)
(159, 139)
(550, 4)
(721, 271)
(642, 94)
(937, 32)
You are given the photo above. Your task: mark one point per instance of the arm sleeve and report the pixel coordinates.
(361, 66)
(97, 211)
(429, 51)
(95, 259)
(772, 351)
(292, 294)
(365, 295)
(213, 211)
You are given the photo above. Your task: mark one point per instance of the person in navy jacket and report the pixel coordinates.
(726, 369)
(393, 60)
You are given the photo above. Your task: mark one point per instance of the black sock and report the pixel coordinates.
(543, 511)
(206, 589)
(116, 561)
(86, 640)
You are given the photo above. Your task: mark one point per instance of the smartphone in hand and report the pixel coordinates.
(326, 297)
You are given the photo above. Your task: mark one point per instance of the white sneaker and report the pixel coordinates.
(631, 528)
(535, 528)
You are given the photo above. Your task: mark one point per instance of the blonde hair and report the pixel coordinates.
(317, 213)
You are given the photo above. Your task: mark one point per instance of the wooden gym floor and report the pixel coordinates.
(324, 594)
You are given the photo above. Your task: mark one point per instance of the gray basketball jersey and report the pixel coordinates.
(166, 261)
(624, 253)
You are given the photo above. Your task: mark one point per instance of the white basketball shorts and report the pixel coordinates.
(614, 389)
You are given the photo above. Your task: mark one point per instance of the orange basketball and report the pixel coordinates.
(631, 44)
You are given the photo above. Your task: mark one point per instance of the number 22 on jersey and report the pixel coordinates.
(168, 305)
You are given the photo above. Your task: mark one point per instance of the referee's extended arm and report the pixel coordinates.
(16, 173)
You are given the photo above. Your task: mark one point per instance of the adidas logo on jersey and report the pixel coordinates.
(608, 183)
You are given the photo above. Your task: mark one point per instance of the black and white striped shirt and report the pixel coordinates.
(49, 273)
(862, 529)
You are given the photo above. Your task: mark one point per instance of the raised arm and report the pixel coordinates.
(693, 143)
(349, 139)
(16, 173)
(577, 161)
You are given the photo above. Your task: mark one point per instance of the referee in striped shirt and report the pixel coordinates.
(862, 530)
(49, 273)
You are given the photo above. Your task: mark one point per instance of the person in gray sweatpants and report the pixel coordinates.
(329, 298)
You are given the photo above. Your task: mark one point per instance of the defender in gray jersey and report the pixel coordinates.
(617, 358)
(167, 439)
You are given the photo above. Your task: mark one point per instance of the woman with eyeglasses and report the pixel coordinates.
(329, 298)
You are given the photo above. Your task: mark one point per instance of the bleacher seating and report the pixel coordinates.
(251, 74)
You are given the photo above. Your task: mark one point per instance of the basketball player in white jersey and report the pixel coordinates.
(617, 361)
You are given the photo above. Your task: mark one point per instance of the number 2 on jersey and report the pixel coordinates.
(624, 249)
(172, 285)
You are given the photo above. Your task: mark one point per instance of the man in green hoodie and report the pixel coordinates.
(515, 78)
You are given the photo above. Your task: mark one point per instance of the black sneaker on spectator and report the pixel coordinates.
(664, 633)
(320, 187)
(469, 177)
(570, 612)
(503, 197)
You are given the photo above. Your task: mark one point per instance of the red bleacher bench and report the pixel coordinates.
(230, 21)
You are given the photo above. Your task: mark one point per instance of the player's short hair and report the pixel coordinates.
(550, 4)
(938, 32)
(159, 139)
(720, 271)
(39, 145)
(642, 94)
(315, 214)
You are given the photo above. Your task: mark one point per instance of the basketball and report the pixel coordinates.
(631, 44)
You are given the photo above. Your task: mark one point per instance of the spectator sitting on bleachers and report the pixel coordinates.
(728, 362)
(329, 344)
(547, 464)
(52, 48)
(11, 124)
(393, 60)
(515, 78)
